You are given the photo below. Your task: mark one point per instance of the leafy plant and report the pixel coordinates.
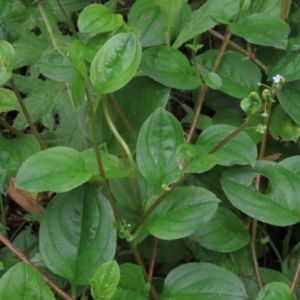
(153, 149)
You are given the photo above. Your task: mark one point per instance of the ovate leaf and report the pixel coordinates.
(157, 142)
(97, 18)
(7, 59)
(184, 211)
(105, 280)
(58, 169)
(202, 281)
(275, 290)
(280, 206)
(78, 234)
(169, 67)
(225, 232)
(241, 149)
(116, 62)
(8, 101)
(24, 282)
(263, 29)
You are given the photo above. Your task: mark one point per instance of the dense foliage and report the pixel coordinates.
(149, 149)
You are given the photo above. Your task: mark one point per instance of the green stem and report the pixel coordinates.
(3, 218)
(153, 258)
(27, 116)
(115, 4)
(204, 87)
(286, 242)
(120, 140)
(12, 129)
(253, 253)
(284, 5)
(296, 278)
(99, 159)
(67, 19)
(73, 291)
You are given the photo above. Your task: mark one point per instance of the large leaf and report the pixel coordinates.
(78, 234)
(105, 280)
(116, 62)
(288, 98)
(97, 18)
(239, 76)
(58, 169)
(23, 282)
(169, 67)
(279, 207)
(225, 232)
(147, 17)
(202, 281)
(131, 284)
(206, 17)
(239, 150)
(8, 101)
(158, 140)
(183, 212)
(263, 29)
(275, 290)
(12, 154)
(7, 59)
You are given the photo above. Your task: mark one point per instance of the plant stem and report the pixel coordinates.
(284, 5)
(12, 129)
(99, 159)
(204, 87)
(27, 116)
(115, 4)
(73, 291)
(240, 49)
(152, 260)
(3, 217)
(67, 19)
(21, 256)
(296, 278)
(133, 175)
(253, 253)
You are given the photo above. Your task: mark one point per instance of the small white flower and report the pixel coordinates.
(277, 78)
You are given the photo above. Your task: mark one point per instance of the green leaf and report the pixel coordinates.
(263, 29)
(206, 17)
(239, 75)
(239, 150)
(157, 142)
(202, 281)
(8, 101)
(270, 7)
(147, 17)
(131, 284)
(288, 98)
(111, 164)
(213, 80)
(12, 154)
(183, 212)
(58, 169)
(105, 281)
(169, 67)
(286, 66)
(56, 66)
(283, 126)
(279, 207)
(251, 104)
(189, 161)
(224, 232)
(78, 90)
(78, 234)
(23, 282)
(116, 62)
(292, 164)
(7, 59)
(275, 290)
(97, 18)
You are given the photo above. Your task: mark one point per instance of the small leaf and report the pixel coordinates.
(182, 213)
(58, 169)
(251, 104)
(105, 281)
(239, 150)
(7, 59)
(224, 232)
(213, 80)
(78, 90)
(157, 142)
(263, 29)
(78, 234)
(279, 207)
(97, 18)
(116, 62)
(275, 290)
(169, 67)
(23, 282)
(8, 101)
(202, 281)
